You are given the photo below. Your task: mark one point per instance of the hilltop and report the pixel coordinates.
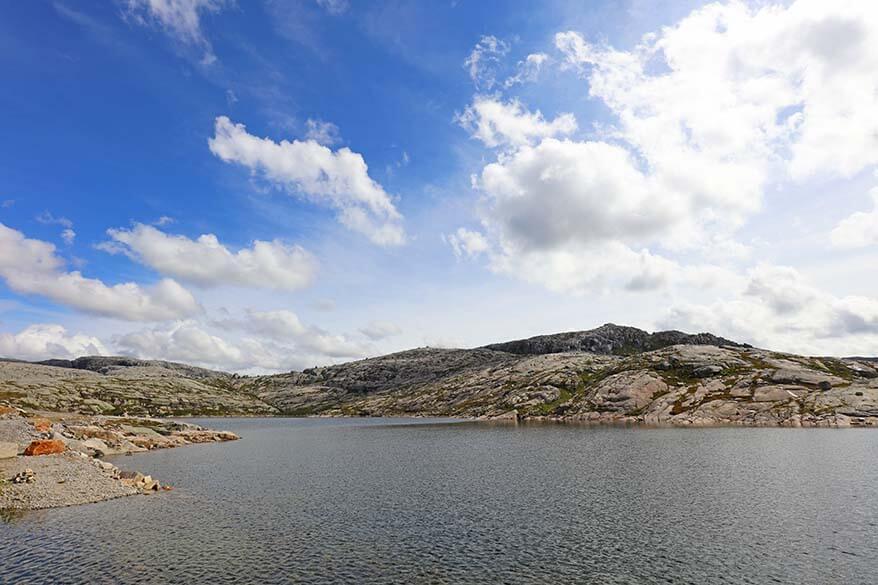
(609, 374)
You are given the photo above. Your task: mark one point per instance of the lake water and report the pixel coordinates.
(384, 501)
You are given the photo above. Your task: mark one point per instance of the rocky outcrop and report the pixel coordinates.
(609, 339)
(119, 386)
(608, 374)
(676, 385)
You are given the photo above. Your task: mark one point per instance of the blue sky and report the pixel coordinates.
(270, 185)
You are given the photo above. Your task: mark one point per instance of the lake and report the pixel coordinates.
(427, 501)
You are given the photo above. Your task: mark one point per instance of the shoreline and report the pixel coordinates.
(51, 460)
(838, 421)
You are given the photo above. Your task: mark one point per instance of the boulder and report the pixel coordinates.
(8, 450)
(707, 371)
(46, 447)
(99, 447)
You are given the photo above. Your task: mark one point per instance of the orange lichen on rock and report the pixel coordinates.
(47, 447)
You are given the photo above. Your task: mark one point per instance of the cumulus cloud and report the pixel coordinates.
(776, 307)
(179, 18)
(565, 191)
(860, 229)
(338, 178)
(796, 85)
(46, 341)
(484, 61)
(68, 235)
(498, 123)
(285, 326)
(207, 262)
(187, 341)
(706, 113)
(378, 330)
(32, 267)
(276, 341)
(467, 243)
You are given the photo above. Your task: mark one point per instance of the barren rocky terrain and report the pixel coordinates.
(609, 374)
(49, 460)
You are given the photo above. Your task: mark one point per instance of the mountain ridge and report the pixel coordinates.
(628, 376)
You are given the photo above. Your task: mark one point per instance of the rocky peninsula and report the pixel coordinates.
(50, 460)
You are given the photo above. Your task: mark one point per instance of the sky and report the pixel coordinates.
(271, 185)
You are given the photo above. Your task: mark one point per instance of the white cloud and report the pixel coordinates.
(527, 71)
(860, 229)
(179, 18)
(272, 347)
(207, 262)
(467, 243)
(707, 113)
(562, 191)
(606, 266)
(742, 87)
(325, 133)
(32, 267)
(46, 341)
(187, 342)
(47, 218)
(776, 308)
(496, 123)
(484, 60)
(281, 325)
(285, 326)
(334, 7)
(378, 330)
(339, 178)
(67, 234)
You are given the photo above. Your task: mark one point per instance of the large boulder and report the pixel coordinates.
(47, 447)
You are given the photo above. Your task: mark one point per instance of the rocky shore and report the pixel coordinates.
(50, 460)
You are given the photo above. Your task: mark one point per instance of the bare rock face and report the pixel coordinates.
(608, 339)
(609, 374)
(117, 386)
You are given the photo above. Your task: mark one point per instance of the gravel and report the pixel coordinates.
(66, 479)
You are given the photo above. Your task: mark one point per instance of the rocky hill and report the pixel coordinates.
(609, 339)
(610, 374)
(117, 386)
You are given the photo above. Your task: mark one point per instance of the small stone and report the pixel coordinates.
(26, 476)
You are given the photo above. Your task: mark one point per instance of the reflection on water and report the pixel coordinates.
(374, 501)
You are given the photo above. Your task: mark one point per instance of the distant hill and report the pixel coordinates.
(609, 374)
(609, 339)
